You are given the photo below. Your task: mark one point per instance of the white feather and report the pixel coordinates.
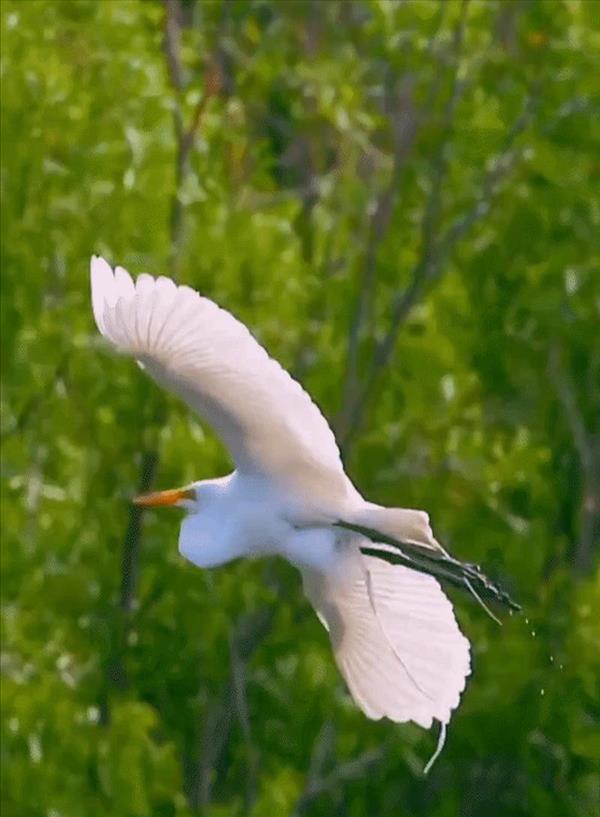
(400, 650)
(203, 354)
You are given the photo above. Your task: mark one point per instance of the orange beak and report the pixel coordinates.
(159, 499)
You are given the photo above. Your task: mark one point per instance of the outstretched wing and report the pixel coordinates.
(204, 355)
(395, 640)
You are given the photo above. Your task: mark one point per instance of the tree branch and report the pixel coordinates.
(322, 751)
(587, 445)
(238, 689)
(116, 674)
(405, 121)
(250, 631)
(565, 391)
(355, 398)
(405, 129)
(184, 136)
(350, 770)
(132, 541)
(435, 251)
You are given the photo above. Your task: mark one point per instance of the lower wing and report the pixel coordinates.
(396, 641)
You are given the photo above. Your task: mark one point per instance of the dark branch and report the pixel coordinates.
(218, 721)
(566, 393)
(131, 544)
(240, 706)
(355, 399)
(405, 122)
(343, 772)
(435, 252)
(184, 136)
(587, 445)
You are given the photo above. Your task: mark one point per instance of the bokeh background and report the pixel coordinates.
(401, 199)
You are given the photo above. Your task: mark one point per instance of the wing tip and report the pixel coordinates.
(108, 285)
(99, 266)
(101, 282)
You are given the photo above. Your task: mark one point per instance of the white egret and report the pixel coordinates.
(364, 567)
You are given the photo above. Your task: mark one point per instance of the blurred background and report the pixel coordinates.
(401, 199)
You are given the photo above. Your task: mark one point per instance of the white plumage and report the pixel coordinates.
(204, 355)
(393, 631)
(406, 658)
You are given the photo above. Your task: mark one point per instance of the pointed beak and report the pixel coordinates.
(165, 499)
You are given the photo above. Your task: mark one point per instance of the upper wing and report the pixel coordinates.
(204, 355)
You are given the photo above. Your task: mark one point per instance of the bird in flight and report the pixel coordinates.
(370, 572)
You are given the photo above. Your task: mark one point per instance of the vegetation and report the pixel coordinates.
(401, 199)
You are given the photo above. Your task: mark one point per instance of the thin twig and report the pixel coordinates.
(344, 772)
(116, 674)
(433, 257)
(356, 398)
(405, 122)
(184, 136)
(405, 132)
(565, 391)
(240, 704)
(587, 445)
(132, 541)
(218, 721)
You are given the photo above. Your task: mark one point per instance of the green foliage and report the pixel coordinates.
(417, 177)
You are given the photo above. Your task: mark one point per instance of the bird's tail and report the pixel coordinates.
(403, 524)
(403, 536)
(395, 640)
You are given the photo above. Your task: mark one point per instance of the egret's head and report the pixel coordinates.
(175, 498)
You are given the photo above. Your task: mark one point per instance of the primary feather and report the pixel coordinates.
(202, 353)
(395, 640)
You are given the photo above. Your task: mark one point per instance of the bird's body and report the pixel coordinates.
(393, 631)
(245, 515)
